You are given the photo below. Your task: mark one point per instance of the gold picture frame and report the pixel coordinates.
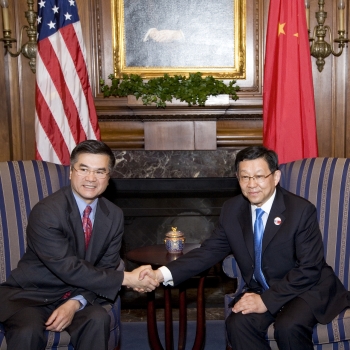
(213, 44)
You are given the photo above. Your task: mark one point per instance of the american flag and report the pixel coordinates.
(65, 112)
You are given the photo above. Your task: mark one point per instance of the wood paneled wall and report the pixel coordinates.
(123, 127)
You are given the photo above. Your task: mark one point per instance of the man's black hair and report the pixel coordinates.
(93, 147)
(255, 152)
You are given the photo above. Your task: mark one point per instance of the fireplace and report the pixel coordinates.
(158, 190)
(153, 206)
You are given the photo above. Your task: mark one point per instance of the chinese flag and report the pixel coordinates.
(289, 106)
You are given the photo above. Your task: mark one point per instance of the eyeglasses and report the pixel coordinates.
(257, 178)
(100, 174)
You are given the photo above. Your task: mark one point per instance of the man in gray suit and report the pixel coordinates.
(68, 273)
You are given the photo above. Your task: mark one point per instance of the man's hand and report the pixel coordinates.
(147, 284)
(147, 272)
(155, 274)
(250, 303)
(62, 317)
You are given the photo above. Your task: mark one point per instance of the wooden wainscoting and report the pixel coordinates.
(181, 135)
(239, 133)
(123, 134)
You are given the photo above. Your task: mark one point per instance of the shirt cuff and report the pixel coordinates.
(81, 300)
(168, 277)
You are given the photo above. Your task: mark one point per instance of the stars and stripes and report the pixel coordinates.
(65, 111)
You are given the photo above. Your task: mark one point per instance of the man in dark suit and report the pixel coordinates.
(287, 279)
(67, 277)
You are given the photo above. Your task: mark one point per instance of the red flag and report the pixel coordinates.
(65, 112)
(289, 106)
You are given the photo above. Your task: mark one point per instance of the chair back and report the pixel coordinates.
(326, 183)
(22, 185)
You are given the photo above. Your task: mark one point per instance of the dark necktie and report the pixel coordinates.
(258, 235)
(87, 225)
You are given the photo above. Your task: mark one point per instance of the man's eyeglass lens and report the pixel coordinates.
(100, 174)
(257, 178)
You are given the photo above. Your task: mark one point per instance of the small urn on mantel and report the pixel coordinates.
(174, 241)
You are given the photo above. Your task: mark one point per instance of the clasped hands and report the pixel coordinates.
(143, 279)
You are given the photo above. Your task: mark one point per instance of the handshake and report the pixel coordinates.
(143, 279)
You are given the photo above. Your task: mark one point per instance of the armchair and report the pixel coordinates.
(22, 185)
(326, 183)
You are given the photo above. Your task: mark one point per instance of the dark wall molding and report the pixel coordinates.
(184, 117)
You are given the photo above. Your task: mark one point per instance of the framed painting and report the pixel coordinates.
(153, 37)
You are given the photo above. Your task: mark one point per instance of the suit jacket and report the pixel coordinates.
(292, 255)
(55, 260)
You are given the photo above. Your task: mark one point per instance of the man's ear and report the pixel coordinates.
(277, 176)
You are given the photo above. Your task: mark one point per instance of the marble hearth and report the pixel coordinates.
(158, 190)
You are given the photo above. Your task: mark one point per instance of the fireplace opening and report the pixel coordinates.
(153, 206)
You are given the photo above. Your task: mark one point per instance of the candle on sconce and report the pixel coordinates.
(5, 14)
(307, 10)
(341, 7)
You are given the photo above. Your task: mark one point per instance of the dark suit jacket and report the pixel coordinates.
(55, 260)
(292, 257)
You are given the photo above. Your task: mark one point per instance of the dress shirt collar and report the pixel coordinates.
(266, 207)
(82, 205)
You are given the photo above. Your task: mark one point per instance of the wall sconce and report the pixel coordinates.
(29, 49)
(319, 48)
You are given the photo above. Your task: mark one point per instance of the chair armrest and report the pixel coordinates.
(231, 269)
(121, 266)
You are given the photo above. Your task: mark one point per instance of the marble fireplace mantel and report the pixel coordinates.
(158, 190)
(133, 164)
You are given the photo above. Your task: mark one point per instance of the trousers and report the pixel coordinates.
(293, 328)
(89, 328)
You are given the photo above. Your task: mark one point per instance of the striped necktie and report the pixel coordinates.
(87, 225)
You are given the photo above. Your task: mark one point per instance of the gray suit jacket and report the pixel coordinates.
(292, 255)
(55, 260)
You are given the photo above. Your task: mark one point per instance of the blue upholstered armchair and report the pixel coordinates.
(22, 185)
(326, 183)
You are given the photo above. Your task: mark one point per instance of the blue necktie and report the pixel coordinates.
(258, 235)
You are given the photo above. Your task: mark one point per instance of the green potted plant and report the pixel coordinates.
(193, 89)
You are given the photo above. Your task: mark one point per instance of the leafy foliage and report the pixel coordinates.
(194, 89)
